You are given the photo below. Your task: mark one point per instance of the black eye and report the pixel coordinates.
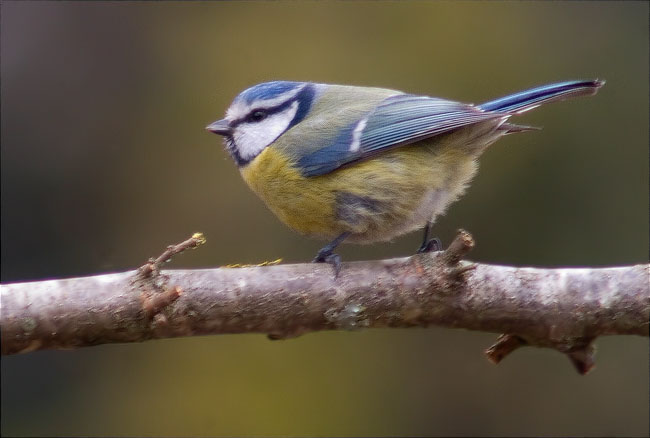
(257, 116)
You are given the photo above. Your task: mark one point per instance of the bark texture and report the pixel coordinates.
(564, 309)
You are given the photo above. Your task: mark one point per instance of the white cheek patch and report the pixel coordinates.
(252, 138)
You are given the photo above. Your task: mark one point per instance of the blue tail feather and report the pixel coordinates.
(525, 100)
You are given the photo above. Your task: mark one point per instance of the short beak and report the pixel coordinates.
(220, 127)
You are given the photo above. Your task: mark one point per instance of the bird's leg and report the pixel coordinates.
(429, 245)
(325, 255)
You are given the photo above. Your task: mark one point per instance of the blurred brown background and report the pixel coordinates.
(105, 161)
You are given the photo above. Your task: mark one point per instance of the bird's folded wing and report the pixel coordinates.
(399, 120)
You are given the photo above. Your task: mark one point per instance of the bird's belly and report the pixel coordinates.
(433, 203)
(374, 200)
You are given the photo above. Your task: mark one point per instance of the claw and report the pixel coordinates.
(434, 244)
(331, 258)
(326, 254)
(429, 245)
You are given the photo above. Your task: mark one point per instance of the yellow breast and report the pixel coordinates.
(292, 197)
(375, 200)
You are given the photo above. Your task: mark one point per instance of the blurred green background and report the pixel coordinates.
(105, 161)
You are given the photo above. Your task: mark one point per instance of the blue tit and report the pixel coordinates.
(365, 164)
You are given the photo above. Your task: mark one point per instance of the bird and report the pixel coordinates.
(365, 164)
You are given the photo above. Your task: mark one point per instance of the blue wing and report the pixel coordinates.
(397, 121)
(405, 119)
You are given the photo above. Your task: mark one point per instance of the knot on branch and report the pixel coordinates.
(582, 357)
(452, 265)
(351, 317)
(462, 244)
(580, 352)
(504, 345)
(156, 295)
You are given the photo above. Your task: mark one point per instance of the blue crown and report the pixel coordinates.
(267, 90)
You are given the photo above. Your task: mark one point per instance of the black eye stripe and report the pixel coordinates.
(268, 111)
(304, 98)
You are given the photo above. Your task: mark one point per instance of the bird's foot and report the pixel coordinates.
(431, 245)
(326, 255)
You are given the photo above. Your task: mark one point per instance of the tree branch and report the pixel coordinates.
(563, 309)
